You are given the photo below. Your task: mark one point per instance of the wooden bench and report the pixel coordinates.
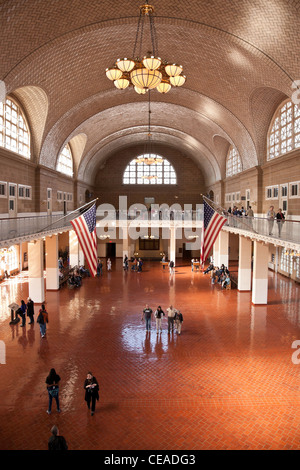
(65, 277)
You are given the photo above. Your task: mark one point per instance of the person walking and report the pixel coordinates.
(52, 381)
(147, 316)
(125, 262)
(178, 318)
(280, 221)
(42, 319)
(271, 217)
(171, 314)
(91, 387)
(30, 310)
(57, 442)
(159, 314)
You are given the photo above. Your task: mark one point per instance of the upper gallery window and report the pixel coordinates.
(140, 171)
(65, 161)
(14, 133)
(284, 135)
(233, 162)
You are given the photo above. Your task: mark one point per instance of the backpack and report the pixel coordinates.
(41, 319)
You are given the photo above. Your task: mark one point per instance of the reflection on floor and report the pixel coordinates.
(228, 382)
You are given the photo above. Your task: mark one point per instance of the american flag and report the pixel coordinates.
(213, 222)
(85, 228)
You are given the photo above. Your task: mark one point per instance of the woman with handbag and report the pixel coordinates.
(91, 387)
(53, 389)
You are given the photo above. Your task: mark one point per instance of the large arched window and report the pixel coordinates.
(233, 162)
(14, 133)
(65, 161)
(139, 171)
(284, 135)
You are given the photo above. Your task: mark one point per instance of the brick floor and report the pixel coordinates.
(228, 382)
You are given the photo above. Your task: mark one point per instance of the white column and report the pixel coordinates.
(125, 240)
(260, 273)
(216, 253)
(172, 252)
(35, 271)
(244, 271)
(73, 249)
(52, 271)
(80, 256)
(223, 248)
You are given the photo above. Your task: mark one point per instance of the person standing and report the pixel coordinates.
(280, 221)
(178, 318)
(271, 217)
(42, 319)
(125, 263)
(109, 264)
(147, 316)
(91, 387)
(22, 312)
(53, 389)
(250, 215)
(171, 267)
(30, 310)
(99, 267)
(57, 442)
(159, 314)
(171, 314)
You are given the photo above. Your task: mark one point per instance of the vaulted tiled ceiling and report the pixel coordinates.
(240, 59)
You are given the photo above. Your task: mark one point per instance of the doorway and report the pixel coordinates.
(110, 250)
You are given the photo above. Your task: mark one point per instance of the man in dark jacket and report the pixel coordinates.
(57, 442)
(30, 310)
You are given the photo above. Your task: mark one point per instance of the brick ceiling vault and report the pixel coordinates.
(240, 59)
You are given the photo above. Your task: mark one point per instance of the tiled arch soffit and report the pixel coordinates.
(234, 111)
(195, 124)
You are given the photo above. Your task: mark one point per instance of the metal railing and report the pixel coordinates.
(18, 227)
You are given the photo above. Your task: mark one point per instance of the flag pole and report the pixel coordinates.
(70, 213)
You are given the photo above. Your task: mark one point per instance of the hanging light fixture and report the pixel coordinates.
(149, 158)
(147, 72)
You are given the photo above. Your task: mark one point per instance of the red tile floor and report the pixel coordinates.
(228, 382)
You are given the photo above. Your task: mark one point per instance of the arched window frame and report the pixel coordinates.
(14, 128)
(233, 162)
(65, 161)
(165, 172)
(284, 132)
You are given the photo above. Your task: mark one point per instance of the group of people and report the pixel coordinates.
(272, 216)
(173, 315)
(91, 388)
(100, 266)
(136, 264)
(219, 275)
(28, 310)
(75, 278)
(91, 395)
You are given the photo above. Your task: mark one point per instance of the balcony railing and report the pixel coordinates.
(18, 227)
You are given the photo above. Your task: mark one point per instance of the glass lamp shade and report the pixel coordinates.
(164, 87)
(173, 70)
(179, 80)
(144, 78)
(151, 63)
(126, 65)
(122, 83)
(113, 73)
(140, 91)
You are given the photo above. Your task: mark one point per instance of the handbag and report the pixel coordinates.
(53, 392)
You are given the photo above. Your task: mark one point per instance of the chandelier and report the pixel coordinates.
(150, 71)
